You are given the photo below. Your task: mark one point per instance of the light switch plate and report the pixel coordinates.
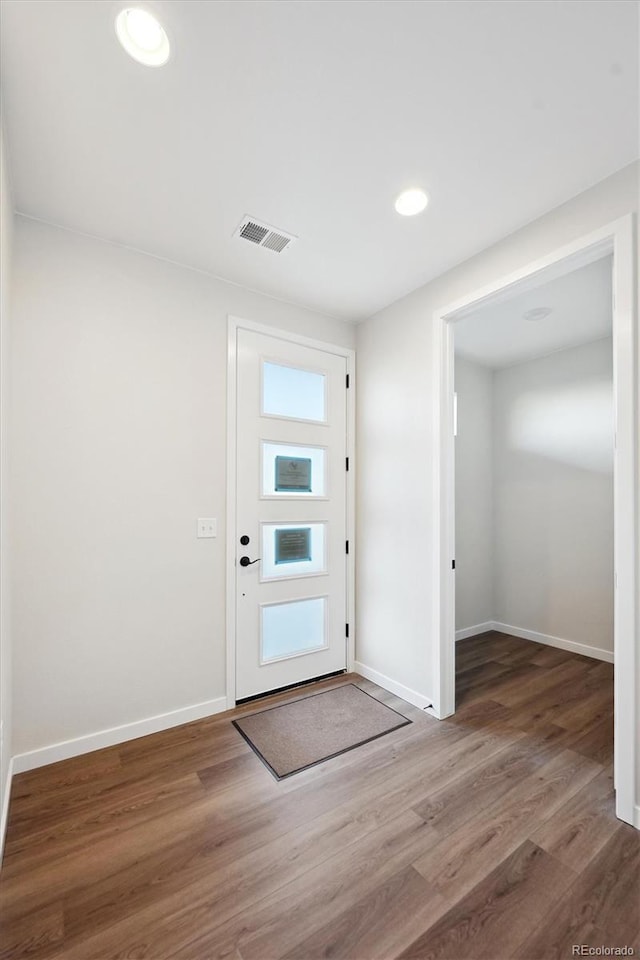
(207, 527)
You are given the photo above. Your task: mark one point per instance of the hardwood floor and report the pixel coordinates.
(489, 835)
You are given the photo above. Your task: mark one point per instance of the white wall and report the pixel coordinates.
(396, 455)
(474, 494)
(6, 250)
(119, 416)
(534, 496)
(553, 504)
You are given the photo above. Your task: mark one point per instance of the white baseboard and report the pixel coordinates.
(5, 808)
(636, 816)
(473, 631)
(571, 645)
(405, 693)
(109, 738)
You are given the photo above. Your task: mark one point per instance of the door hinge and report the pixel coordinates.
(346, 544)
(346, 630)
(347, 381)
(453, 564)
(346, 463)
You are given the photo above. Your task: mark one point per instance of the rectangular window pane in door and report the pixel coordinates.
(293, 550)
(293, 393)
(293, 628)
(294, 474)
(291, 470)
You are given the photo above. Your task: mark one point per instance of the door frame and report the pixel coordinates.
(234, 324)
(616, 238)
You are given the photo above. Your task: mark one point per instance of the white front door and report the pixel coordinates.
(291, 504)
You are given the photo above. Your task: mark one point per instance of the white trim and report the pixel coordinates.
(114, 735)
(4, 820)
(474, 631)
(636, 816)
(235, 324)
(232, 457)
(277, 333)
(616, 238)
(351, 509)
(584, 649)
(571, 645)
(571, 256)
(405, 693)
(626, 737)
(444, 598)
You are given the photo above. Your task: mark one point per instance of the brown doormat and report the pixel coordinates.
(293, 736)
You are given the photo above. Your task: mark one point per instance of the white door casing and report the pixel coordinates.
(291, 604)
(616, 238)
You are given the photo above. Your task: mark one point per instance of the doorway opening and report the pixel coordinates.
(610, 245)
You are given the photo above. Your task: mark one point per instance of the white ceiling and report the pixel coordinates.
(498, 335)
(312, 116)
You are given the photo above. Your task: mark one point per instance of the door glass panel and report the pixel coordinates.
(291, 629)
(291, 470)
(293, 550)
(293, 474)
(293, 393)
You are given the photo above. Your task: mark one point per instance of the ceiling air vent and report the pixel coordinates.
(263, 235)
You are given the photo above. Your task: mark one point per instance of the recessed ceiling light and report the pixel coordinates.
(538, 313)
(142, 37)
(411, 202)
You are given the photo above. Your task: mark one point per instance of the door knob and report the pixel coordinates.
(245, 562)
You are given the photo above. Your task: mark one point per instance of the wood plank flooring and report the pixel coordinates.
(489, 835)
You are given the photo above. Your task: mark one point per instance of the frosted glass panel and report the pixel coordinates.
(292, 629)
(291, 470)
(285, 545)
(293, 474)
(291, 392)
